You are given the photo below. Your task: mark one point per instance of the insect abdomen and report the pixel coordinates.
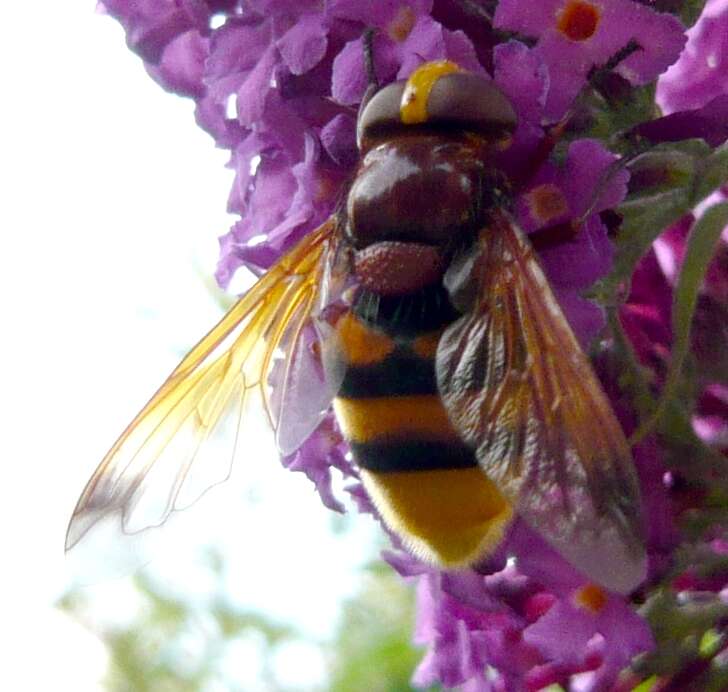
(423, 479)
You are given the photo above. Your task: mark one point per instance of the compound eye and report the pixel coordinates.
(467, 101)
(381, 115)
(448, 101)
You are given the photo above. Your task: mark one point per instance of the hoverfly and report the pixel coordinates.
(454, 375)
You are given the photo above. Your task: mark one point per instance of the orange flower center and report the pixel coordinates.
(578, 20)
(546, 202)
(591, 597)
(400, 27)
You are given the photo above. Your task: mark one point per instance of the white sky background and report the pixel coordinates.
(111, 201)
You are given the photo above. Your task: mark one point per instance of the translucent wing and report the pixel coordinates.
(171, 452)
(520, 390)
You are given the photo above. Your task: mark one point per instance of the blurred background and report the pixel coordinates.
(112, 201)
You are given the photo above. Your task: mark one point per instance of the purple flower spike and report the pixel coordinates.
(278, 83)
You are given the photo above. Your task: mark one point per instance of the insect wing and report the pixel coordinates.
(299, 394)
(170, 454)
(519, 389)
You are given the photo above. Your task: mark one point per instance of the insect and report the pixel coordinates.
(421, 312)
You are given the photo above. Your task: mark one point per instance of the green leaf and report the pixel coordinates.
(372, 650)
(687, 10)
(712, 172)
(678, 626)
(647, 685)
(701, 245)
(690, 11)
(631, 376)
(710, 643)
(665, 184)
(717, 677)
(604, 117)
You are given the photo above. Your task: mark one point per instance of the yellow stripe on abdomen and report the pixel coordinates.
(360, 344)
(393, 417)
(447, 517)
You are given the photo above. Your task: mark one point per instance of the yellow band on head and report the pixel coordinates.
(413, 107)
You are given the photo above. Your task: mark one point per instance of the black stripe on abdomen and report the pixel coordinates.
(388, 405)
(396, 375)
(384, 456)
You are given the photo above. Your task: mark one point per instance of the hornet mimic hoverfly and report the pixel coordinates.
(421, 311)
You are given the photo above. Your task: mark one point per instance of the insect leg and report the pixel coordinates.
(368, 56)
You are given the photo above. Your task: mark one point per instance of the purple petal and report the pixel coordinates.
(470, 588)
(586, 319)
(523, 77)
(349, 79)
(701, 73)
(151, 25)
(428, 40)
(544, 204)
(563, 633)
(662, 38)
(538, 560)
(711, 419)
(280, 7)
(404, 564)
(304, 45)
(318, 454)
(251, 97)
(587, 163)
(459, 48)
(528, 18)
(182, 65)
(565, 82)
(211, 117)
(236, 47)
(242, 162)
(318, 187)
(577, 264)
(339, 140)
(362, 501)
(378, 14)
(662, 533)
(709, 122)
(425, 42)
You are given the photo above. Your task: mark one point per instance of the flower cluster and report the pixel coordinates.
(609, 193)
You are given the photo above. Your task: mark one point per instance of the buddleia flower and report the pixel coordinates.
(616, 168)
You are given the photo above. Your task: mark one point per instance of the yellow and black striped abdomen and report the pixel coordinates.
(388, 406)
(423, 479)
